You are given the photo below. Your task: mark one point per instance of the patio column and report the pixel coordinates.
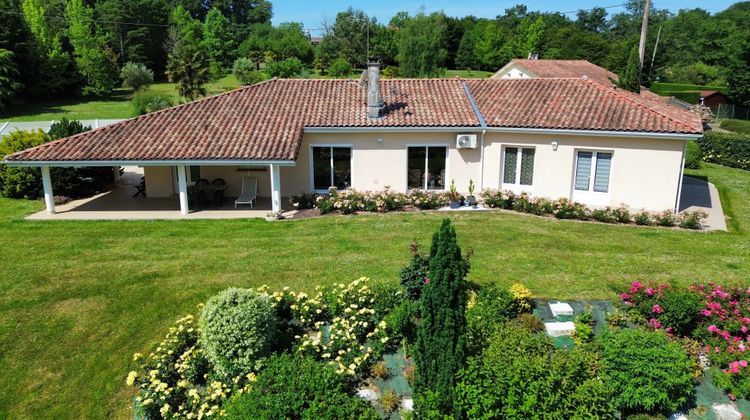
(182, 187)
(49, 198)
(116, 173)
(275, 189)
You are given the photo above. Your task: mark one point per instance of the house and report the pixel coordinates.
(550, 69)
(713, 98)
(565, 137)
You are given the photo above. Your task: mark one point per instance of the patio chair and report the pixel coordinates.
(249, 192)
(140, 188)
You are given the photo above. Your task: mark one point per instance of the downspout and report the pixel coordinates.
(483, 124)
(679, 180)
(481, 160)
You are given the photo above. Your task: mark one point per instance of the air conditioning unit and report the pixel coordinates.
(466, 141)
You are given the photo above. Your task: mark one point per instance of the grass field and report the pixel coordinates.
(79, 298)
(118, 106)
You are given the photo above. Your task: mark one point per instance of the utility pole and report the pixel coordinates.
(644, 33)
(653, 56)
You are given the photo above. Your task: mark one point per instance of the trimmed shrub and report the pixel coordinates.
(667, 218)
(498, 199)
(566, 209)
(297, 387)
(285, 69)
(427, 200)
(605, 215)
(136, 76)
(692, 219)
(239, 327)
(646, 372)
(21, 182)
(643, 218)
(400, 322)
(245, 72)
(738, 126)
(728, 149)
(340, 68)
(144, 102)
(693, 155)
(441, 342)
(414, 274)
(521, 374)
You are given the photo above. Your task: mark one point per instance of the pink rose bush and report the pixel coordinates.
(717, 316)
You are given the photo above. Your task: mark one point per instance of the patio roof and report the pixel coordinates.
(264, 123)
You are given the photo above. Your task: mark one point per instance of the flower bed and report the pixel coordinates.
(352, 201)
(718, 317)
(565, 209)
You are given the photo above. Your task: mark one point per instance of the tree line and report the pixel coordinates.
(87, 47)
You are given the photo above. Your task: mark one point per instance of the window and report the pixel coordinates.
(594, 166)
(332, 166)
(518, 166)
(426, 167)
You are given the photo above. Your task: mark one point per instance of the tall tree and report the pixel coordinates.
(420, 46)
(188, 63)
(217, 38)
(93, 59)
(630, 79)
(594, 20)
(441, 342)
(135, 30)
(52, 62)
(8, 78)
(347, 36)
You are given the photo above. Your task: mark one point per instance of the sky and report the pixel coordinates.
(312, 13)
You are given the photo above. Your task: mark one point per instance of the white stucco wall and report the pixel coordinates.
(511, 72)
(644, 173)
(159, 181)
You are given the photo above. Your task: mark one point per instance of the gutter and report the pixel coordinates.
(90, 163)
(479, 129)
(483, 123)
(679, 180)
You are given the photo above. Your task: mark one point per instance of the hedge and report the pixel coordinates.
(738, 126)
(663, 88)
(690, 97)
(727, 149)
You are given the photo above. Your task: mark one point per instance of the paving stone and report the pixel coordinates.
(727, 412)
(368, 394)
(560, 308)
(558, 329)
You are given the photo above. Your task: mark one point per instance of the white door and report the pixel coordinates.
(591, 180)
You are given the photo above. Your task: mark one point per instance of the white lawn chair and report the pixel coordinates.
(249, 193)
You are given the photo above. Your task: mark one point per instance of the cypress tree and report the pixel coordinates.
(441, 342)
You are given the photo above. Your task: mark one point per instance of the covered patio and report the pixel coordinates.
(125, 201)
(119, 204)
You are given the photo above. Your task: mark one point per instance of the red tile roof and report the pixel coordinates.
(566, 69)
(576, 104)
(266, 121)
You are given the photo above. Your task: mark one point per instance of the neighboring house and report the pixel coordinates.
(713, 98)
(553, 69)
(552, 138)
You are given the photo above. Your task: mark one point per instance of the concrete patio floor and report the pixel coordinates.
(119, 204)
(698, 194)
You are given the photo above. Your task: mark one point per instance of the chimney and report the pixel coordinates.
(374, 104)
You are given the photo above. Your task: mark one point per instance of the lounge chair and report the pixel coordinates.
(249, 192)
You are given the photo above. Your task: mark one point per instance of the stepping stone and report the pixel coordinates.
(559, 329)
(727, 412)
(407, 404)
(560, 308)
(368, 394)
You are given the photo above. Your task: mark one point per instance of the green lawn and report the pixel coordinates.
(79, 298)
